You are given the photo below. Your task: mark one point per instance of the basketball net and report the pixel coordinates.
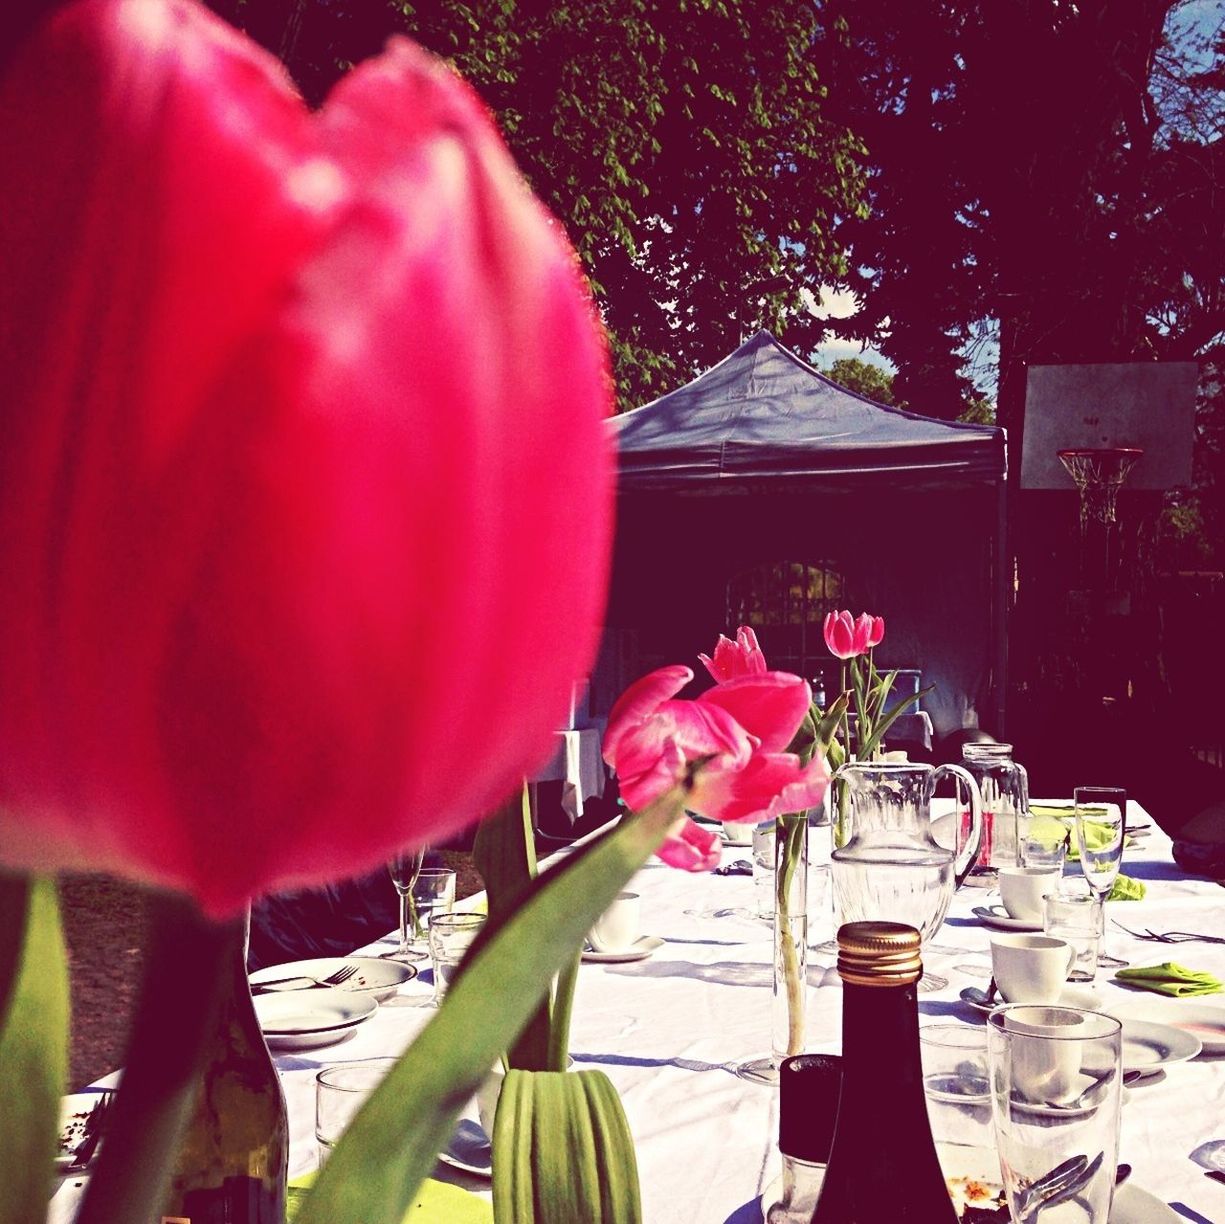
(1099, 474)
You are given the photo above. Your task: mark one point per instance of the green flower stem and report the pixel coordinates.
(791, 830)
(189, 962)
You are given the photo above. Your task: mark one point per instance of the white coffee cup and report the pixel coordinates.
(1046, 1058)
(1031, 968)
(616, 930)
(1022, 890)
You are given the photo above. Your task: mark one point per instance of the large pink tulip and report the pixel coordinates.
(847, 636)
(743, 657)
(735, 732)
(303, 445)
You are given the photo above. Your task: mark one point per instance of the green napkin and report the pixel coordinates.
(1170, 979)
(1052, 824)
(1127, 889)
(437, 1203)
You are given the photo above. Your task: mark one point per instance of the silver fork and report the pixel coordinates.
(342, 975)
(1173, 937)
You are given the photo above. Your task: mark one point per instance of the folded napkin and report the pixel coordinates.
(1170, 979)
(1127, 889)
(1053, 824)
(437, 1203)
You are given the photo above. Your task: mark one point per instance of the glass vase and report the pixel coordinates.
(789, 992)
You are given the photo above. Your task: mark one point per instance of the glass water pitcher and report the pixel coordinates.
(1004, 789)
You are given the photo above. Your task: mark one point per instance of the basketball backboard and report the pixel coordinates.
(1149, 405)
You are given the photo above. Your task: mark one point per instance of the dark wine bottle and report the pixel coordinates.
(882, 1165)
(233, 1158)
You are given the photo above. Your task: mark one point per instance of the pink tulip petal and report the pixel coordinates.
(639, 702)
(304, 427)
(770, 706)
(692, 848)
(771, 785)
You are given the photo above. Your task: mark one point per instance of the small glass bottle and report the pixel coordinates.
(808, 1105)
(882, 1165)
(233, 1158)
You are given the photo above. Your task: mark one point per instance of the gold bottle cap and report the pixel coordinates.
(879, 954)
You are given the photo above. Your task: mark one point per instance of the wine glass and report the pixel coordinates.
(1101, 817)
(404, 870)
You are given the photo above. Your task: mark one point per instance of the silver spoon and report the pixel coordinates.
(981, 998)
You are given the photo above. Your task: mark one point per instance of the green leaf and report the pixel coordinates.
(393, 1141)
(562, 1152)
(33, 1044)
(827, 728)
(505, 855)
(890, 717)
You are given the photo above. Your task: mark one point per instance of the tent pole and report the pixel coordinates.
(1001, 610)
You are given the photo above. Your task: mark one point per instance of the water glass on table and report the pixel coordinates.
(340, 1092)
(451, 935)
(956, 1084)
(1076, 918)
(1056, 1080)
(1101, 813)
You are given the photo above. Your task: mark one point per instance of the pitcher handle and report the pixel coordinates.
(969, 852)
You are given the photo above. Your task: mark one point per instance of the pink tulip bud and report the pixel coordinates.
(304, 444)
(743, 657)
(877, 634)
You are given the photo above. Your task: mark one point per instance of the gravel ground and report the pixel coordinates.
(105, 926)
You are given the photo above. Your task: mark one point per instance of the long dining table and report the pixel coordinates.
(670, 1030)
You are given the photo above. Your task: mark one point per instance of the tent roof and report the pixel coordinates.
(762, 414)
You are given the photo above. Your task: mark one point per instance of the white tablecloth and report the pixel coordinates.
(669, 1031)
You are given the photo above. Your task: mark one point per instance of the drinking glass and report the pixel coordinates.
(956, 1084)
(404, 870)
(763, 870)
(340, 1092)
(433, 894)
(451, 935)
(1044, 851)
(1056, 1083)
(1100, 829)
(1077, 919)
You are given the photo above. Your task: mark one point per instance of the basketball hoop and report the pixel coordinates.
(1099, 473)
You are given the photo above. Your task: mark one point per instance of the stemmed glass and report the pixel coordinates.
(1104, 808)
(404, 870)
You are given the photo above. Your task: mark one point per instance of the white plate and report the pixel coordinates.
(74, 1113)
(1147, 1046)
(644, 947)
(375, 976)
(1203, 1021)
(303, 1019)
(1132, 1205)
(998, 918)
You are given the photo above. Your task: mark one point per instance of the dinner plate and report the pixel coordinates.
(1147, 1046)
(304, 1019)
(998, 918)
(375, 976)
(74, 1114)
(964, 1165)
(1132, 1205)
(1203, 1021)
(640, 950)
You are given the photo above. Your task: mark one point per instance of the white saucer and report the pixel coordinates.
(997, 917)
(470, 1150)
(376, 976)
(1148, 1046)
(1084, 997)
(1204, 1021)
(644, 947)
(304, 1019)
